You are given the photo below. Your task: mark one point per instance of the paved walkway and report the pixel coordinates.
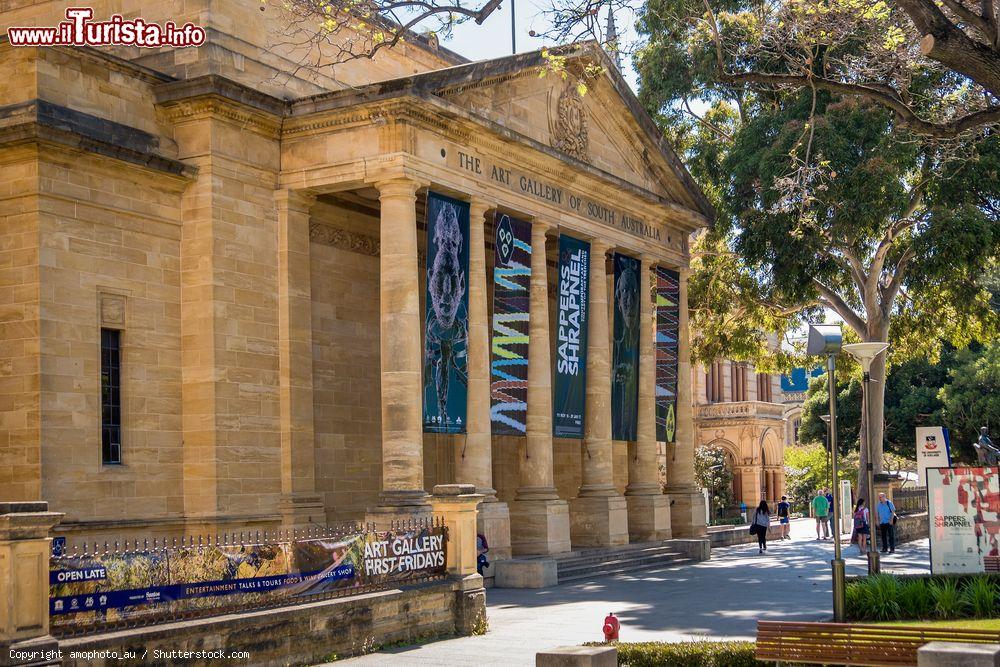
(720, 598)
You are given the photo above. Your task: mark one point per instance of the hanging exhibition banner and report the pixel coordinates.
(625, 358)
(933, 450)
(511, 299)
(668, 292)
(169, 582)
(446, 321)
(963, 508)
(571, 338)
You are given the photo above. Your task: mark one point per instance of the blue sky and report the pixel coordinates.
(492, 39)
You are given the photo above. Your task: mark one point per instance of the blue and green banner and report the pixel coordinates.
(625, 357)
(511, 300)
(668, 293)
(570, 394)
(446, 322)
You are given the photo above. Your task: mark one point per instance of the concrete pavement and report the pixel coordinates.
(721, 599)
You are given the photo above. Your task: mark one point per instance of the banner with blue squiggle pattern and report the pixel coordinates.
(511, 300)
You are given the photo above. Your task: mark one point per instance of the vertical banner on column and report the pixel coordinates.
(625, 360)
(511, 300)
(668, 292)
(571, 338)
(446, 322)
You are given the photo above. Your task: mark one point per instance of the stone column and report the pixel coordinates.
(598, 515)
(300, 504)
(648, 508)
(687, 510)
(403, 492)
(473, 462)
(24, 579)
(539, 519)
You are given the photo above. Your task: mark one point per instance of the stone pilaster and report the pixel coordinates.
(24, 578)
(403, 491)
(648, 508)
(300, 504)
(687, 510)
(473, 462)
(540, 520)
(598, 515)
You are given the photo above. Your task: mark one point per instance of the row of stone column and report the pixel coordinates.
(539, 521)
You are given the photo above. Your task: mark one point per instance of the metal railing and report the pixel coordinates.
(910, 501)
(97, 587)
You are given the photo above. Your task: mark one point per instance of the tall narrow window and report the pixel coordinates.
(111, 397)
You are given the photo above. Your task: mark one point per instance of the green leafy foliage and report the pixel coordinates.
(712, 473)
(971, 397)
(806, 470)
(886, 597)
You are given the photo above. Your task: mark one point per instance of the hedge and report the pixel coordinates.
(687, 654)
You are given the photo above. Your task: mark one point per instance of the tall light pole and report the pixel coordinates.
(826, 339)
(829, 475)
(865, 353)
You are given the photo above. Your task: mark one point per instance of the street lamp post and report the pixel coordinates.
(826, 339)
(865, 353)
(829, 475)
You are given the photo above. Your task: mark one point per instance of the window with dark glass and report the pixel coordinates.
(111, 396)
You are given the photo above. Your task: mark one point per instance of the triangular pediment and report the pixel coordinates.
(604, 127)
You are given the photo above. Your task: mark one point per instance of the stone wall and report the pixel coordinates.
(722, 536)
(298, 635)
(912, 527)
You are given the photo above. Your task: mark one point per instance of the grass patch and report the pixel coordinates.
(964, 624)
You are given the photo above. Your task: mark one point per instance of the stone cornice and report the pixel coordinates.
(213, 96)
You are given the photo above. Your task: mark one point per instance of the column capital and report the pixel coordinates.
(400, 186)
(648, 260)
(599, 245)
(294, 200)
(540, 226)
(481, 204)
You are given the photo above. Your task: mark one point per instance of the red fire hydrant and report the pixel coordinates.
(611, 627)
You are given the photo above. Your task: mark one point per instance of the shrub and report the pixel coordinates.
(980, 597)
(916, 599)
(687, 654)
(883, 598)
(948, 602)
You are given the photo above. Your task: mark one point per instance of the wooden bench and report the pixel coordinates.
(850, 644)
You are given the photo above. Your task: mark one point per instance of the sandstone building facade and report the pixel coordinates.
(743, 413)
(239, 243)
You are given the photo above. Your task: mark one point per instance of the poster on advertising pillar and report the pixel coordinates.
(933, 450)
(625, 348)
(569, 397)
(963, 508)
(668, 289)
(446, 318)
(511, 300)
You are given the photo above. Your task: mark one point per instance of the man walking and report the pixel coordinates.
(886, 523)
(783, 516)
(821, 507)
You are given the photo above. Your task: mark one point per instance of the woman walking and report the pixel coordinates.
(761, 522)
(862, 525)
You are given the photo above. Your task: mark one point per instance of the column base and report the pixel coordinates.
(687, 512)
(396, 506)
(539, 527)
(493, 521)
(598, 521)
(301, 510)
(648, 517)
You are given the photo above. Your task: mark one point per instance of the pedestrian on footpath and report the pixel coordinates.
(829, 517)
(783, 508)
(862, 525)
(886, 523)
(761, 522)
(821, 507)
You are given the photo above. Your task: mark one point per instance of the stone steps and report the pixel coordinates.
(594, 564)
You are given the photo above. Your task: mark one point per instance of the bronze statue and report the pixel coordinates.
(988, 454)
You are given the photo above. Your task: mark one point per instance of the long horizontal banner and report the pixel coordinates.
(162, 583)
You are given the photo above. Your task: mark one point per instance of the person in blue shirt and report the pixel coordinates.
(886, 523)
(829, 517)
(783, 508)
